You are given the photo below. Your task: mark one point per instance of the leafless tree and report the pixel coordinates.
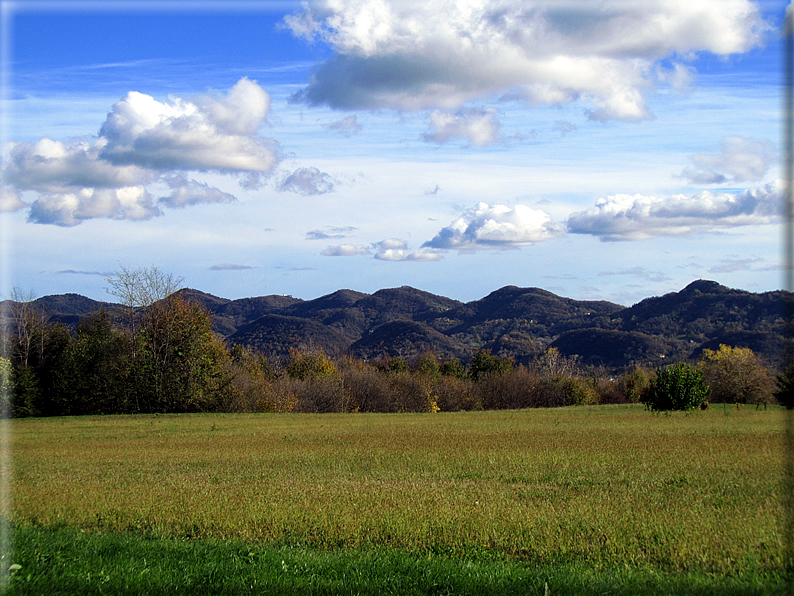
(140, 288)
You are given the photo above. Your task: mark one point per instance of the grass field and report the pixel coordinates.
(606, 499)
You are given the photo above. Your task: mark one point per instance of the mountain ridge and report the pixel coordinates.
(511, 321)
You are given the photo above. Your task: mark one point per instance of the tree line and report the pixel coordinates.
(157, 353)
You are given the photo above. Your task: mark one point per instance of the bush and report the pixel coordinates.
(677, 387)
(368, 390)
(561, 391)
(513, 390)
(633, 384)
(454, 394)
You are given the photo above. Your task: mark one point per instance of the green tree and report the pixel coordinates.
(484, 363)
(453, 368)
(95, 373)
(676, 387)
(181, 365)
(427, 365)
(785, 387)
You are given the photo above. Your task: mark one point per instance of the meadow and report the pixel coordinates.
(590, 499)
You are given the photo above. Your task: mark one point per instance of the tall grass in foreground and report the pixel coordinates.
(597, 486)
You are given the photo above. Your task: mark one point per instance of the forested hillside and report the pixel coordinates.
(162, 349)
(513, 322)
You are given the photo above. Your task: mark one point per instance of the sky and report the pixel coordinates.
(602, 150)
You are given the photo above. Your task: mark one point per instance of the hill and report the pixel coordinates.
(515, 322)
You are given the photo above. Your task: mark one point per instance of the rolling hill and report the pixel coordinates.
(512, 321)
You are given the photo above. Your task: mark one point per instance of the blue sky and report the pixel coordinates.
(613, 150)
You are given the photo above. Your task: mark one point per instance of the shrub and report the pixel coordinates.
(554, 392)
(454, 394)
(368, 390)
(633, 384)
(677, 387)
(513, 390)
(412, 395)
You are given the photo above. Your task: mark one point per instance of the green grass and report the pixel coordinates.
(611, 497)
(67, 561)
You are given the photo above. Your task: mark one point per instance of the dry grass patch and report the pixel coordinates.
(606, 485)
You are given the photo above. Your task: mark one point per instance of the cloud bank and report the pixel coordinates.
(143, 141)
(441, 55)
(486, 226)
(637, 217)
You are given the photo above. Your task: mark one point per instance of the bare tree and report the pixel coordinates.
(140, 288)
(27, 323)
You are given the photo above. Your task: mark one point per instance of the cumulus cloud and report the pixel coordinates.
(307, 181)
(394, 249)
(478, 127)
(441, 55)
(564, 127)
(740, 160)
(71, 209)
(208, 134)
(53, 166)
(636, 217)
(345, 250)
(186, 193)
(10, 200)
(486, 226)
(143, 141)
(347, 127)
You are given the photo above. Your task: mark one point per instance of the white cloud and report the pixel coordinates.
(740, 160)
(478, 126)
(10, 200)
(680, 77)
(345, 250)
(485, 226)
(307, 181)
(390, 244)
(186, 193)
(394, 249)
(71, 209)
(209, 134)
(403, 255)
(347, 127)
(53, 166)
(637, 217)
(143, 141)
(430, 55)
